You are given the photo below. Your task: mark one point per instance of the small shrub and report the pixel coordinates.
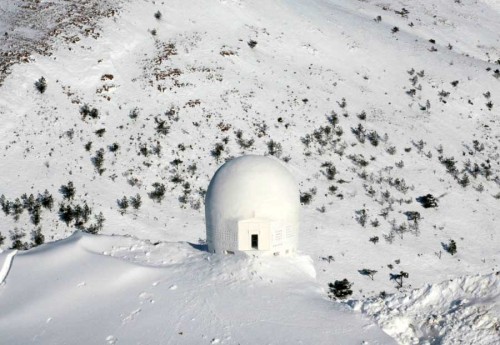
(81, 215)
(134, 113)
(443, 94)
(398, 184)
(15, 237)
(333, 119)
(411, 92)
(136, 201)
(97, 226)
(274, 148)
(451, 247)
(161, 127)
(5, 204)
(113, 147)
(464, 181)
(17, 209)
(332, 189)
(66, 214)
(374, 138)
(158, 193)
(329, 170)
(328, 258)
(450, 164)
(321, 209)
(419, 145)
(176, 162)
(306, 197)
(391, 150)
(68, 191)
(100, 132)
(192, 168)
(413, 216)
(35, 214)
(37, 238)
(98, 161)
(243, 143)
(358, 160)
(374, 239)
(340, 289)
(361, 217)
(428, 201)
(176, 178)
(477, 145)
(85, 111)
(367, 272)
(252, 43)
(41, 85)
(46, 200)
(158, 15)
(216, 152)
(398, 278)
(359, 132)
(122, 204)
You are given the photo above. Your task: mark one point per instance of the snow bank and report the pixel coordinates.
(120, 290)
(462, 310)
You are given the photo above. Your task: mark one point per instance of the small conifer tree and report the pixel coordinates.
(136, 201)
(340, 289)
(451, 247)
(41, 85)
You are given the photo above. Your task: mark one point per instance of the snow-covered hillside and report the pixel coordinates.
(371, 104)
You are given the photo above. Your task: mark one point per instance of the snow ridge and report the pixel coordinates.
(7, 264)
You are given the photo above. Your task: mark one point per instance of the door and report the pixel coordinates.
(254, 234)
(255, 241)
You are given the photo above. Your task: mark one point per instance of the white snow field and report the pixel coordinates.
(369, 104)
(119, 290)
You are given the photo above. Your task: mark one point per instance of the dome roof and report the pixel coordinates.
(252, 187)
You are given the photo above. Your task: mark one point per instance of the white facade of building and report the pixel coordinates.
(252, 205)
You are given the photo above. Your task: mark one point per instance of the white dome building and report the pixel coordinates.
(252, 205)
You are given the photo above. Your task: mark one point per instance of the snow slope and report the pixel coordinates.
(119, 290)
(463, 309)
(421, 82)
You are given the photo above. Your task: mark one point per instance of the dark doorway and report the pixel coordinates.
(255, 241)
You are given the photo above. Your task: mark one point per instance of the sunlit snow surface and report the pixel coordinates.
(93, 290)
(309, 56)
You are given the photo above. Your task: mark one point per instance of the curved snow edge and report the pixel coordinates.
(4, 271)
